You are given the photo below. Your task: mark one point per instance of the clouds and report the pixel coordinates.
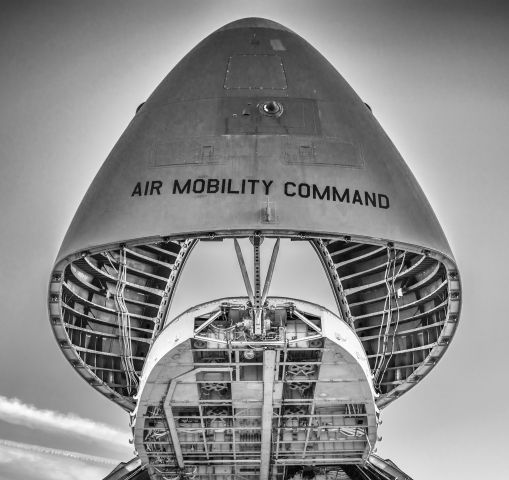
(30, 462)
(15, 412)
(27, 449)
(33, 462)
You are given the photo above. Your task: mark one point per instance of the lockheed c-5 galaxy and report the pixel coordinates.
(254, 135)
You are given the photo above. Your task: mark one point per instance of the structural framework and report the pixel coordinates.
(254, 135)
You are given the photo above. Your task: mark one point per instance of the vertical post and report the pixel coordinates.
(257, 277)
(269, 364)
(257, 305)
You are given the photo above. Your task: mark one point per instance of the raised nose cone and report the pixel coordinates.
(254, 116)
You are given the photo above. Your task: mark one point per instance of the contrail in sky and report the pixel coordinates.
(61, 453)
(15, 412)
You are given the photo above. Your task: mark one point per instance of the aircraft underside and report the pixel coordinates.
(256, 386)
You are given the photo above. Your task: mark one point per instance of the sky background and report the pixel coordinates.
(72, 74)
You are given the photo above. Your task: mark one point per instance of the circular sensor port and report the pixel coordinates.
(271, 108)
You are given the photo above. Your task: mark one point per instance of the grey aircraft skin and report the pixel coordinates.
(255, 135)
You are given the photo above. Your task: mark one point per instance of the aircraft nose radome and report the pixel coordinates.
(254, 22)
(203, 119)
